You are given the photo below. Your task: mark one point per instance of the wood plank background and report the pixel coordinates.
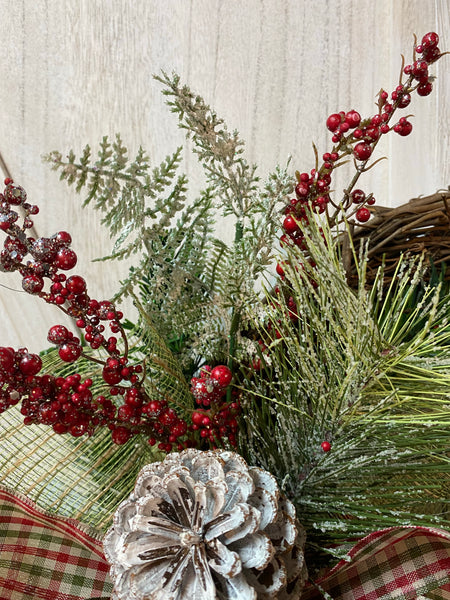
(274, 69)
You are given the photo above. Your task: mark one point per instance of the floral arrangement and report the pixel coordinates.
(339, 393)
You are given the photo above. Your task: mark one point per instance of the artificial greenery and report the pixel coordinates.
(365, 370)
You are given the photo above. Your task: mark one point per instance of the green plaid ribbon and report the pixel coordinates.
(46, 557)
(400, 563)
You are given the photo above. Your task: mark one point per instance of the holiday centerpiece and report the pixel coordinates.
(292, 390)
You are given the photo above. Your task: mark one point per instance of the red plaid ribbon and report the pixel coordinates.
(46, 557)
(401, 563)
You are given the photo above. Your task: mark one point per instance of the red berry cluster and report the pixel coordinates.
(356, 137)
(419, 69)
(67, 403)
(216, 420)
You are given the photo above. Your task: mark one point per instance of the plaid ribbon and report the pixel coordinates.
(400, 563)
(47, 557)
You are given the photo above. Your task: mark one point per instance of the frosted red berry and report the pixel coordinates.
(424, 89)
(76, 284)
(222, 375)
(65, 259)
(30, 364)
(69, 352)
(334, 121)
(363, 214)
(58, 334)
(358, 196)
(362, 151)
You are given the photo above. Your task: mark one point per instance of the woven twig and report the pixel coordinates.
(420, 226)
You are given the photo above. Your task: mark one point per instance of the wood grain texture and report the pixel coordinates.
(75, 71)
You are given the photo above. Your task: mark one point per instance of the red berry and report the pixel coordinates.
(7, 360)
(290, 225)
(358, 196)
(120, 435)
(111, 376)
(65, 259)
(326, 446)
(424, 89)
(353, 118)
(32, 284)
(334, 121)
(76, 285)
(431, 54)
(403, 128)
(197, 418)
(69, 352)
(430, 40)
(404, 101)
(222, 375)
(58, 334)
(279, 269)
(419, 69)
(376, 120)
(302, 189)
(30, 364)
(63, 238)
(362, 151)
(363, 214)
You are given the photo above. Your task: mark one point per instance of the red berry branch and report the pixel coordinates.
(355, 137)
(67, 404)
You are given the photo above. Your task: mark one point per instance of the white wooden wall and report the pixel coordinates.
(74, 71)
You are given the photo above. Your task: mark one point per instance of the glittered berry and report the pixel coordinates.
(15, 195)
(58, 334)
(63, 238)
(222, 375)
(430, 40)
(76, 284)
(65, 259)
(6, 360)
(120, 435)
(362, 151)
(69, 352)
(32, 284)
(363, 214)
(326, 446)
(44, 249)
(30, 364)
(111, 376)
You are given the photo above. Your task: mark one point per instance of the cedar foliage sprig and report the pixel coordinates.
(195, 287)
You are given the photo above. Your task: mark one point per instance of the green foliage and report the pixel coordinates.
(366, 370)
(354, 370)
(192, 287)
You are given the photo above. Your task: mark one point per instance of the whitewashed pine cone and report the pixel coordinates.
(205, 525)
